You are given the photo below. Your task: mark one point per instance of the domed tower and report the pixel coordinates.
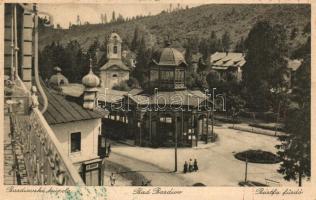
(114, 47)
(58, 78)
(169, 72)
(90, 82)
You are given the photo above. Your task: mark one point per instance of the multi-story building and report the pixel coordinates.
(49, 138)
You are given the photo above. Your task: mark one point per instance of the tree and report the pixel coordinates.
(226, 41)
(142, 59)
(105, 19)
(240, 46)
(120, 18)
(135, 39)
(302, 50)
(295, 148)
(213, 43)
(294, 33)
(265, 66)
(113, 17)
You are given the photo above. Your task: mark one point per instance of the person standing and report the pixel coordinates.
(185, 167)
(190, 165)
(109, 150)
(195, 165)
(112, 179)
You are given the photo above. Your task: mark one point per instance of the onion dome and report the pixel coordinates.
(171, 56)
(91, 80)
(57, 79)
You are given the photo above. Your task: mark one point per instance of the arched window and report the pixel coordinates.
(115, 49)
(114, 75)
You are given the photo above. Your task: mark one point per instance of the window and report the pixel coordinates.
(75, 143)
(114, 75)
(115, 49)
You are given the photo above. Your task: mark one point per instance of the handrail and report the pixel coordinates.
(45, 159)
(67, 163)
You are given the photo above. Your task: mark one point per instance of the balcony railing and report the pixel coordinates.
(45, 161)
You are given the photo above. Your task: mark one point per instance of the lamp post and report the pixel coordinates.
(175, 144)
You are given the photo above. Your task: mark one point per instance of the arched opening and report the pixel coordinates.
(115, 49)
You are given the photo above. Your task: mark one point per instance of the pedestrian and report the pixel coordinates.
(190, 165)
(112, 179)
(195, 165)
(185, 167)
(109, 150)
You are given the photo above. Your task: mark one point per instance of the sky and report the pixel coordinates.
(64, 13)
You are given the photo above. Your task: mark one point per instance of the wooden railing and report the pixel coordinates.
(45, 161)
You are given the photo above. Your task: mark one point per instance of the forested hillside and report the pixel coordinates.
(196, 23)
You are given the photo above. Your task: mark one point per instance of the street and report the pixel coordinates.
(217, 165)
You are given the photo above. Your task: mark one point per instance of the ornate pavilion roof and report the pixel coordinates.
(171, 56)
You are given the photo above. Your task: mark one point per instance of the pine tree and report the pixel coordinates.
(240, 46)
(265, 63)
(295, 149)
(226, 41)
(135, 39)
(105, 19)
(213, 43)
(113, 17)
(142, 59)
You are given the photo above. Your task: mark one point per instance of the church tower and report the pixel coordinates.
(114, 72)
(114, 47)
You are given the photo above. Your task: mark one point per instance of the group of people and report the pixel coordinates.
(191, 166)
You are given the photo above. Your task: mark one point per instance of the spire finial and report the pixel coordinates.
(90, 59)
(167, 42)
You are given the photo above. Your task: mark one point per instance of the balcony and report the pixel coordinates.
(33, 154)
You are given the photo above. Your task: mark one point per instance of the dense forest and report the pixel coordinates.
(184, 24)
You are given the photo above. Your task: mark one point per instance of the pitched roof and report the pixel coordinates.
(294, 64)
(223, 60)
(112, 96)
(115, 62)
(62, 109)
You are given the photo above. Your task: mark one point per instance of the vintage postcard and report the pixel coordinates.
(157, 99)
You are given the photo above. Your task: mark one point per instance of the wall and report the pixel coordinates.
(89, 138)
(109, 81)
(24, 43)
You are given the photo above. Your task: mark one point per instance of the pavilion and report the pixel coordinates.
(166, 113)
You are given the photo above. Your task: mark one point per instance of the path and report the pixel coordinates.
(157, 175)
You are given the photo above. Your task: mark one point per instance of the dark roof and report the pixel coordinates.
(115, 62)
(62, 109)
(171, 57)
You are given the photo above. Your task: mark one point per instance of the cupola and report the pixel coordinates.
(58, 78)
(90, 82)
(168, 72)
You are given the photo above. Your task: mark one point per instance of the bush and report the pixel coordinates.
(258, 156)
